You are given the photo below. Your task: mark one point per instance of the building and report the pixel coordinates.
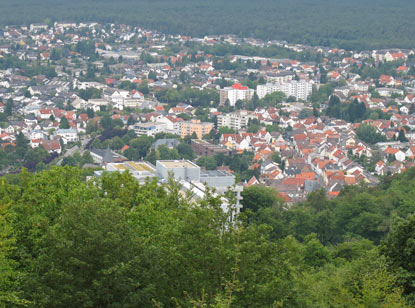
(285, 76)
(299, 89)
(235, 120)
(170, 143)
(187, 128)
(52, 146)
(180, 170)
(219, 179)
(235, 93)
(149, 128)
(204, 148)
(67, 135)
(105, 156)
(141, 171)
(37, 27)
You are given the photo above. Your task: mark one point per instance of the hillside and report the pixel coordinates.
(348, 24)
(65, 242)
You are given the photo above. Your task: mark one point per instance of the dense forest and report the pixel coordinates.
(111, 242)
(351, 24)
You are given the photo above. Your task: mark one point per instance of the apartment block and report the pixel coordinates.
(195, 126)
(299, 89)
(235, 120)
(234, 93)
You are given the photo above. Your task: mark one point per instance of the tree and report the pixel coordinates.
(398, 249)
(22, 145)
(401, 136)
(143, 87)
(153, 156)
(185, 151)
(258, 197)
(64, 123)
(86, 158)
(116, 143)
(333, 110)
(90, 113)
(9, 107)
(208, 162)
(8, 271)
(106, 122)
(69, 161)
(369, 134)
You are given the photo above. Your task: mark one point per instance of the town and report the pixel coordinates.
(219, 111)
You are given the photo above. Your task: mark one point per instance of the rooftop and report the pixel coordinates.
(177, 164)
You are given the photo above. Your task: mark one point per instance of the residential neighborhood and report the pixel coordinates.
(302, 119)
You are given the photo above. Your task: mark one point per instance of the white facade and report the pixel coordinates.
(235, 120)
(235, 93)
(299, 89)
(149, 128)
(67, 135)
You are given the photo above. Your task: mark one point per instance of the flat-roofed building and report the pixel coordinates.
(140, 170)
(219, 179)
(204, 148)
(180, 169)
(149, 128)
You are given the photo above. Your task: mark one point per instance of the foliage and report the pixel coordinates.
(112, 242)
(368, 134)
(398, 248)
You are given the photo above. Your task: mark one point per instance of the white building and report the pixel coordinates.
(149, 128)
(234, 93)
(67, 135)
(235, 120)
(299, 89)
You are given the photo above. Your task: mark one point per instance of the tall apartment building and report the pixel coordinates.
(235, 120)
(195, 126)
(234, 93)
(299, 89)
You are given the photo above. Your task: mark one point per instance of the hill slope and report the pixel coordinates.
(348, 24)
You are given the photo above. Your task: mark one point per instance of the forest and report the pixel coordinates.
(111, 242)
(352, 24)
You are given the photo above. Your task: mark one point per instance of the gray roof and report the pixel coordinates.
(170, 143)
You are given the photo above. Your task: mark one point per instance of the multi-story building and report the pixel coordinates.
(149, 128)
(204, 148)
(67, 135)
(195, 126)
(236, 120)
(280, 77)
(299, 89)
(235, 93)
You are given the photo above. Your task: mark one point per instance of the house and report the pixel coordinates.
(397, 153)
(252, 181)
(380, 168)
(52, 146)
(67, 135)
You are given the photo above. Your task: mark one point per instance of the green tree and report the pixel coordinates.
(257, 197)
(106, 122)
(185, 151)
(9, 107)
(64, 123)
(369, 134)
(398, 250)
(401, 136)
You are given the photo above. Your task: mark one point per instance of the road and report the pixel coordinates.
(73, 150)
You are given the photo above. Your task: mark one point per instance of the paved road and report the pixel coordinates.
(74, 149)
